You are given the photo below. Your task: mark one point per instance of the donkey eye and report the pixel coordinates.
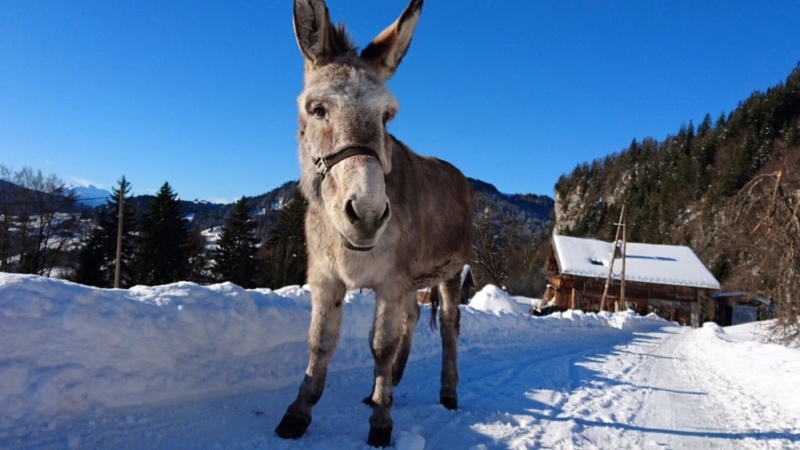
(319, 112)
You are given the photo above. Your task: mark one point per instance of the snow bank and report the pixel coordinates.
(724, 352)
(493, 299)
(67, 348)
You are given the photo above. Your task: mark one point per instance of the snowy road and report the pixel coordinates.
(639, 392)
(195, 367)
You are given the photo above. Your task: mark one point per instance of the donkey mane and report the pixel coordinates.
(343, 44)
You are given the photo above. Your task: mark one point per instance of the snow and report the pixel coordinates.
(493, 299)
(189, 366)
(211, 236)
(648, 263)
(89, 195)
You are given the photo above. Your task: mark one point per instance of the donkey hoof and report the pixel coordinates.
(292, 427)
(448, 402)
(372, 404)
(379, 436)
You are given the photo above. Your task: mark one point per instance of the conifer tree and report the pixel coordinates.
(97, 259)
(164, 241)
(129, 225)
(92, 260)
(235, 256)
(284, 253)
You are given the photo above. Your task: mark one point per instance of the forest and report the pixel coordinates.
(728, 188)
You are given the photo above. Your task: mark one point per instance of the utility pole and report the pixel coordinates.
(120, 215)
(621, 223)
(620, 226)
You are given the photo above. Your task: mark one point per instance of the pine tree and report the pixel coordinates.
(92, 261)
(164, 241)
(235, 256)
(97, 259)
(129, 225)
(284, 253)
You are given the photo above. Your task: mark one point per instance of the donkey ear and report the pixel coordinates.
(313, 30)
(387, 50)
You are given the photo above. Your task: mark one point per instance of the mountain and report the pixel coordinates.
(725, 188)
(534, 211)
(16, 200)
(88, 195)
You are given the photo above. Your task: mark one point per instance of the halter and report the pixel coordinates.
(325, 163)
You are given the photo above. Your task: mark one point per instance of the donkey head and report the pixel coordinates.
(345, 149)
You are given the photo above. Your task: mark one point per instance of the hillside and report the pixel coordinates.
(708, 186)
(205, 215)
(534, 211)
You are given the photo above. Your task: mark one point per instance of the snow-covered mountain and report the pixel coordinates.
(189, 366)
(90, 195)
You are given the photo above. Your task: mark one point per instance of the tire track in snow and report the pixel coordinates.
(517, 398)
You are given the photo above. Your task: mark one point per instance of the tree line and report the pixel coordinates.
(45, 231)
(148, 239)
(159, 246)
(728, 188)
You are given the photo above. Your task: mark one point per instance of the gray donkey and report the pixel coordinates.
(379, 215)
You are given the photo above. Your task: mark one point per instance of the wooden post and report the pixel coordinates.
(611, 262)
(120, 215)
(573, 297)
(624, 254)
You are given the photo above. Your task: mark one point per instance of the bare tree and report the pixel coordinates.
(37, 221)
(488, 255)
(7, 213)
(500, 248)
(769, 206)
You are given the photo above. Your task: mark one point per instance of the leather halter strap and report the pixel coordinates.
(325, 163)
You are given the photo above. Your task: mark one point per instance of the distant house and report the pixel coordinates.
(662, 279)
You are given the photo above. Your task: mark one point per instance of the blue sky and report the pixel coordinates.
(515, 92)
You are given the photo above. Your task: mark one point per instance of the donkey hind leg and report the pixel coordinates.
(385, 339)
(409, 325)
(449, 327)
(410, 321)
(323, 335)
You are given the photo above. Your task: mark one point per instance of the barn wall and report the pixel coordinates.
(676, 303)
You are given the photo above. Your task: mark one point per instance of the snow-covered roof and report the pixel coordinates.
(646, 263)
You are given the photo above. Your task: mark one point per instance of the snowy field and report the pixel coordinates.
(187, 366)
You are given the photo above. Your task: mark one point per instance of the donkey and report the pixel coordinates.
(379, 215)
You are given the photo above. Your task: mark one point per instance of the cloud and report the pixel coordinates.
(223, 200)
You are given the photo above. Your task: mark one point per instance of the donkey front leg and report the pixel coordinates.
(323, 335)
(385, 340)
(449, 327)
(408, 326)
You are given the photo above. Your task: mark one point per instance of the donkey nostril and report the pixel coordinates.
(386, 213)
(350, 212)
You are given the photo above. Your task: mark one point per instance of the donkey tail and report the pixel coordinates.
(435, 297)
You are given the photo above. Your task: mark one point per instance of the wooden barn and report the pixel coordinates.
(662, 279)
